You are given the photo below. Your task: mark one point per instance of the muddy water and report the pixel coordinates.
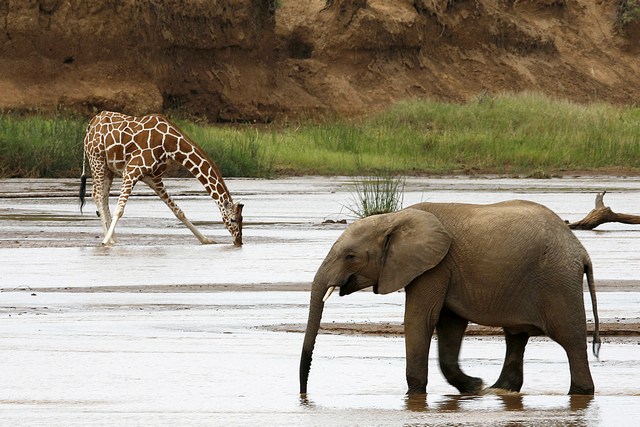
(137, 355)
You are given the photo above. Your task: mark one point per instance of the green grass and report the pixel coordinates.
(37, 146)
(508, 135)
(239, 153)
(627, 13)
(516, 135)
(50, 147)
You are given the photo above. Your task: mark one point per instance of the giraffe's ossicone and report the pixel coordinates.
(139, 149)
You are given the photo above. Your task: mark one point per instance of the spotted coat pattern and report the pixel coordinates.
(139, 149)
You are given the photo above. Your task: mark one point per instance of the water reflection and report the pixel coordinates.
(579, 403)
(416, 402)
(305, 402)
(512, 402)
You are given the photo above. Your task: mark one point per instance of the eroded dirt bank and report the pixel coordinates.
(256, 60)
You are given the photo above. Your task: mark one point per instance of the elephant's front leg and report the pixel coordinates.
(451, 329)
(423, 304)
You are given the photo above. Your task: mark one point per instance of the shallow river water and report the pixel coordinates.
(160, 330)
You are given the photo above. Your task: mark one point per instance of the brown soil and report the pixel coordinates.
(616, 328)
(609, 328)
(257, 60)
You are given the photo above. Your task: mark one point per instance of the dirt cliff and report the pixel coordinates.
(259, 59)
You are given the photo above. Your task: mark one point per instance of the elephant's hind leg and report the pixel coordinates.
(451, 329)
(511, 377)
(572, 336)
(576, 349)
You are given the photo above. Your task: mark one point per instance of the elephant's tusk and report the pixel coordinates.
(328, 294)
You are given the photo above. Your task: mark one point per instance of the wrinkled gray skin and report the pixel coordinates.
(514, 264)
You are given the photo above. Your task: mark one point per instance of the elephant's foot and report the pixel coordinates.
(413, 391)
(588, 391)
(510, 380)
(499, 391)
(469, 385)
(463, 382)
(416, 386)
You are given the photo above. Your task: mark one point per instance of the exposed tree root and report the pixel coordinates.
(601, 214)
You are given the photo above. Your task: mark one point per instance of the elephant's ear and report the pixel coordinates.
(414, 242)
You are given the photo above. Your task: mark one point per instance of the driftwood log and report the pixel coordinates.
(601, 214)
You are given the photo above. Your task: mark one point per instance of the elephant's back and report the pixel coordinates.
(502, 229)
(517, 212)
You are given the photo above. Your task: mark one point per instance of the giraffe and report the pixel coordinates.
(139, 149)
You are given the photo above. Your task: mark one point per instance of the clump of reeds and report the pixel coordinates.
(377, 194)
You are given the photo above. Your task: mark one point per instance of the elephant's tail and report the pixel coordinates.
(588, 269)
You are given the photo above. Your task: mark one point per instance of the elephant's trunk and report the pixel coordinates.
(313, 326)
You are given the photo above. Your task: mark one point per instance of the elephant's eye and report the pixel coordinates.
(350, 258)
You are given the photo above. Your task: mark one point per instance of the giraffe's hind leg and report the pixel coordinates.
(102, 179)
(129, 180)
(158, 186)
(105, 214)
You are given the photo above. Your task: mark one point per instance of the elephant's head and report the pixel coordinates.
(384, 251)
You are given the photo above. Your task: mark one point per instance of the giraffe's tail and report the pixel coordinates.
(83, 180)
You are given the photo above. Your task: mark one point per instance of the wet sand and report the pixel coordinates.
(608, 327)
(162, 330)
(43, 214)
(211, 359)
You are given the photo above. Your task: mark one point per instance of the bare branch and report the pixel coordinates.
(602, 214)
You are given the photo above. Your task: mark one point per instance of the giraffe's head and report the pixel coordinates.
(232, 217)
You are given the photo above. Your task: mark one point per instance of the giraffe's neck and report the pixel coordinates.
(179, 148)
(204, 169)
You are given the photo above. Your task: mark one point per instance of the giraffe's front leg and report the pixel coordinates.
(203, 239)
(158, 186)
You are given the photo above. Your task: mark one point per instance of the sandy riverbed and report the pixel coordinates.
(161, 330)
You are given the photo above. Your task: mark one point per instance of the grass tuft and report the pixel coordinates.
(627, 13)
(377, 194)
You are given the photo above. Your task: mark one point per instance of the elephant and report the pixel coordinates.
(513, 264)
